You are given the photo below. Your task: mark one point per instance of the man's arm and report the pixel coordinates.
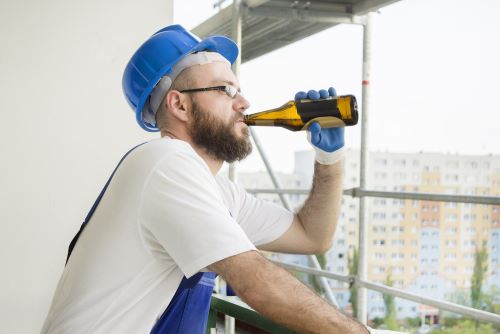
(277, 295)
(314, 225)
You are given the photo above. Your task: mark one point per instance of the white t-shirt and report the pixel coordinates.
(163, 216)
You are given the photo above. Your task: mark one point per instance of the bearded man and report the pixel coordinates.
(167, 222)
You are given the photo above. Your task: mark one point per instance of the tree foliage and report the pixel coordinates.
(466, 327)
(390, 307)
(480, 269)
(352, 264)
(315, 280)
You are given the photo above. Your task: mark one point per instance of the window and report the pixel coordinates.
(398, 256)
(450, 256)
(379, 229)
(451, 243)
(398, 269)
(451, 230)
(451, 217)
(471, 164)
(398, 242)
(379, 215)
(399, 162)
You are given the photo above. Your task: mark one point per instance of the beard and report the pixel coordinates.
(219, 139)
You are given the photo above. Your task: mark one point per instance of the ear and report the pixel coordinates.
(177, 105)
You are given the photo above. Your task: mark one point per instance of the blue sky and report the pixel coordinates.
(434, 78)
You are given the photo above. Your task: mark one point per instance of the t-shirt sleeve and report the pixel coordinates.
(183, 210)
(262, 220)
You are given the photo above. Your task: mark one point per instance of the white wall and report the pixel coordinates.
(64, 126)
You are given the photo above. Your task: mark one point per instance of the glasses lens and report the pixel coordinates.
(231, 91)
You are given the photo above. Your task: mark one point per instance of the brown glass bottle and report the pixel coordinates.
(298, 115)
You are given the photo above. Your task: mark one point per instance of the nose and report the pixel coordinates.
(240, 103)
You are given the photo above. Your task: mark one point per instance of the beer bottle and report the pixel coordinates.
(330, 112)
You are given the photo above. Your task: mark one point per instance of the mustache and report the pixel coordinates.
(238, 117)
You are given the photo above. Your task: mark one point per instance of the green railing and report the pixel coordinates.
(239, 310)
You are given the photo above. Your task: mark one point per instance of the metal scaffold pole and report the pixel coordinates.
(229, 322)
(236, 35)
(363, 230)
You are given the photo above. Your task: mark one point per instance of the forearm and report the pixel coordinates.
(320, 212)
(279, 296)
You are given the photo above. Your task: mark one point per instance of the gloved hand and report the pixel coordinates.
(382, 331)
(326, 142)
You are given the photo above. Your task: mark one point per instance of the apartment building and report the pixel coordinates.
(425, 247)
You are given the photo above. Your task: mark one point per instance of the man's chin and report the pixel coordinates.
(241, 130)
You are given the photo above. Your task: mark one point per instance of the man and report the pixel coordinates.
(145, 260)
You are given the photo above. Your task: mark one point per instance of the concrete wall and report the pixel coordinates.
(64, 126)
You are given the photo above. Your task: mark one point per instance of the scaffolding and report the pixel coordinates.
(261, 26)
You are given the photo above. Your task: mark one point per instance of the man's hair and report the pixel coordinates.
(184, 80)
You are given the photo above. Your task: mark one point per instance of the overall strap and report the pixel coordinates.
(96, 203)
(187, 312)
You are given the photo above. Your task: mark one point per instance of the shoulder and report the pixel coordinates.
(169, 153)
(228, 187)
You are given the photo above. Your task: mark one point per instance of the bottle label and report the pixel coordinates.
(325, 122)
(341, 107)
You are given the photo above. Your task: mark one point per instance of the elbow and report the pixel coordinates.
(320, 247)
(325, 246)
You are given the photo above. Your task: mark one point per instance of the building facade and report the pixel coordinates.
(424, 247)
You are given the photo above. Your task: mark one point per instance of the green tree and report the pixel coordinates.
(352, 264)
(315, 279)
(480, 269)
(465, 327)
(390, 306)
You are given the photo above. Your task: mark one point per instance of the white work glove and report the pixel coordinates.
(383, 331)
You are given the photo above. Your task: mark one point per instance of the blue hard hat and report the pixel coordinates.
(156, 57)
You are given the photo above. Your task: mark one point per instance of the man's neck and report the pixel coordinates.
(213, 164)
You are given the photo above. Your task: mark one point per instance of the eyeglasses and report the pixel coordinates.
(228, 89)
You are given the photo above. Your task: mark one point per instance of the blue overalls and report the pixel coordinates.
(188, 310)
